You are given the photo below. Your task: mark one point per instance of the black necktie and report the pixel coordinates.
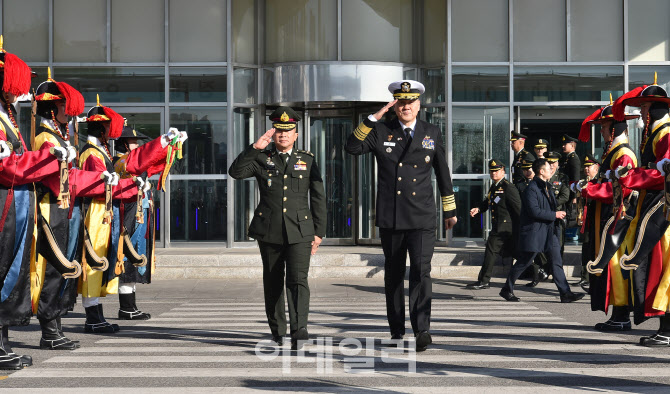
(408, 135)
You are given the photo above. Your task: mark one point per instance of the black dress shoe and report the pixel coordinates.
(581, 283)
(508, 295)
(279, 340)
(478, 286)
(611, 325)
(298, 338)
(656, 340)
(533, 283)
(396, 336)
(571, 297)
(423, 339)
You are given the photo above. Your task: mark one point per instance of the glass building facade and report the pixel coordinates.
(216, 68)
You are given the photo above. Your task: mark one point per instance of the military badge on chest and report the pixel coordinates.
(428, 143)
(300, 166)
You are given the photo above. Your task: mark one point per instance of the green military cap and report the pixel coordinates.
(284, 118)
(590, 160)
(541, 143)
(566, 138)
(552, 157)
(515, 136)
(527, 161)
(495, 165)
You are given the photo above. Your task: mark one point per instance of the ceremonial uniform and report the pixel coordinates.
(290, 213)
(505, 205)
(406, 213)
(517, 171)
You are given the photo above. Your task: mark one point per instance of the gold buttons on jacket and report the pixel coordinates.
(260, 213)
(284, 210)
(285, 176)
(305, 217)
(400, 165)
(414, 193)
(414, 165)
(399, 192)
(284, 198)
(400, 178)
(285, 187)
(300, 177)
(414, 180)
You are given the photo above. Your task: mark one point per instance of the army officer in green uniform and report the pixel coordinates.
(288, 223)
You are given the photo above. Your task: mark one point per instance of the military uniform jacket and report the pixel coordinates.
(292, 198)
(517, 171)
(505, 204)
(570, 165)
(559, 185)
(405, 197)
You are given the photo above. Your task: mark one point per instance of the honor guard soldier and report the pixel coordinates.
(407, 150)
(561, 188)
(540, 147)
(570, 164)
(505, 205)
(288, 223)
(518, 142)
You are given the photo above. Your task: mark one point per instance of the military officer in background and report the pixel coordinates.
(561, 187)
(505, 204)
(407, 150)
(518, 142)
(569, 164)
(588, 218)
(540, 148)
(289, 221)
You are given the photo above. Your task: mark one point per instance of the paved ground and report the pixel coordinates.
(206, 335)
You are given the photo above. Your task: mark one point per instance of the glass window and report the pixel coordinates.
(433, 80)
(480, 83)
(245, 85)
(596, 32)
(437, 116)
(567, 83)
(298, 30)
(25, 27)
(245, 190)
(198, 84)
(148, 124)
(468, 192)
(539, 30)
(328, 137)
(479, 36)
(197, 31)
(477, 132)
(377, 30)
(198, 210)
(205, 152)
(434, 31)
(268, 85)
(80, 31)
(649, 30)
(138, 31)
(644, 75)
(116, 84)
(244, 31)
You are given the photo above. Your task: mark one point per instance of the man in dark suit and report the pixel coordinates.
(505, 204)
(538, 234)
(406, 150)
(288, 223)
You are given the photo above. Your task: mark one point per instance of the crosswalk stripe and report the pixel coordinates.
(328, 317)
(340, 322)
(434, 312)
(341, 308)
(381, 301)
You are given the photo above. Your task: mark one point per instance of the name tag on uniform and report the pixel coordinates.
(389, 143)
(497, 199)
(300, 166)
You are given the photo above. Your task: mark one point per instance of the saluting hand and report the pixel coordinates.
(315, 244)
(264, 140)
(378, 115)
(474, 211)
(449, 223)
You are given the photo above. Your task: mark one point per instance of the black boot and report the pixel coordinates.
(8, 359)
(95, 321)
(662, 336)
(128, 310)
(59, 324)
(102, 315)
(619, 321)
(52, 338)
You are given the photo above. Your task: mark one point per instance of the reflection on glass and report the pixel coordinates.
(328, 136)
(539, 30)
(298, 30)
(138, 33)
(197, 31)
(480, 84)
(25, 26)
(644, 75)
(568, 83)
(245, 193)
(377, 30)
(437, 116)
(244, 31)
(116, 84)
(148, 124)
(595, 30)
(433, 80)
(198, 84)
(477, 136)
(483, 38)
(243, 129)
(245, 85)
(434, 32)
(198, 210)
(79, 38)
(367, 191)
(205, 152)
(268, 85)
(468, 193)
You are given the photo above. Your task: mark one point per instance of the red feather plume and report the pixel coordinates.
(585, 130)
(17, 75)
(74, 101)
(619, 107)
(116, 125)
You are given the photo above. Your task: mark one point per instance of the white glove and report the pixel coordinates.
(109, 178)
(139, 182)
(4, 150)
(607, 174)
(573, 187)
(60, 153)
(116, 179)
(660, 165)
(71, 153)
(147, 187)
(616, 173)
(579, 187)
(182, 136)
(169, 136)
